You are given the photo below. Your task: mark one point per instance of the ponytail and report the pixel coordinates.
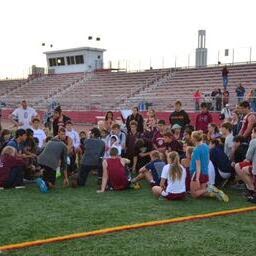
(175, 170)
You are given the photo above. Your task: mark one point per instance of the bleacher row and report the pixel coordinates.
(119, 90)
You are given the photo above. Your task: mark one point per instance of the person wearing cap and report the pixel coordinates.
(177, 132)
(38, 133)
(21, 117)
(59, 120)
(179, 116)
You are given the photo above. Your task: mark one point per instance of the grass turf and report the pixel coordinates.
(29, 215)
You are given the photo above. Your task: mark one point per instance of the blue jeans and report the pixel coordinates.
(225, 82)
(253, 106)
(15, 178)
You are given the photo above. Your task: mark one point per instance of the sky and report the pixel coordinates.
(136, 33)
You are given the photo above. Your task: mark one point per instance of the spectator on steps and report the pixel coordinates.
(197, 98)
(225, 97)
(225, 72)
(240, 92)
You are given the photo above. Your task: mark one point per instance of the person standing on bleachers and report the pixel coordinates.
(197, 98)
(225, 72)
(22, 117)
(136, 117)
(240, 92)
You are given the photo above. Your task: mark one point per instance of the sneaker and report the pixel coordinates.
(212, 189)
(248, 193)
(252, 199)
(222, 196)
(19, 187)
(238, 186)
(42, 185)
(219, 193)
(136, 185)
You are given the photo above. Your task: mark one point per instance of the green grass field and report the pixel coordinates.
(27, 215)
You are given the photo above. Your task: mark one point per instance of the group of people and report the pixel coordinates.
(175, 158)
(218, 100)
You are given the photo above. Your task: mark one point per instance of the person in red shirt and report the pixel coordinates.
(197, 98)
(158, 138)
(249, 120)
(11, 171)
(203, 119)
(114, 173)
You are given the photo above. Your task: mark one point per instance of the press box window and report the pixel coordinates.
(79, 59)
(70, 60)
(52, 62)
(61, 61)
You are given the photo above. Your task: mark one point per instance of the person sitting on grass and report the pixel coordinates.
(151, 171)
(94, 149)
(221, 162)
(199, 171)
(246, 170)
(185, 162)
(55, 151)
(114, 173)
(11, 168)
(175, 175)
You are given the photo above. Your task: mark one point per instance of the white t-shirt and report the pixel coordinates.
(24, 116)
(177, 186)
(228, 145)
(40, 134)
(75, 138)
(211, 173)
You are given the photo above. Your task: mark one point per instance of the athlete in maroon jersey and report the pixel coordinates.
(114, 173)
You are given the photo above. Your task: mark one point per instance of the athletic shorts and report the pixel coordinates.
(245, 164)
(202, 179)
(173, 196)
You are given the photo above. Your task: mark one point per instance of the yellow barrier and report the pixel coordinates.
(125, 227)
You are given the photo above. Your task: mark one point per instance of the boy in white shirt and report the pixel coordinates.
(226, 130)
(38, 133)
(73, 134)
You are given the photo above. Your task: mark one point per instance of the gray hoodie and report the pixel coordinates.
(54, 152)
(94, 152)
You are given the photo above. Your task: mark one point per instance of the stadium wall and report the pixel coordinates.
(92, 116)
